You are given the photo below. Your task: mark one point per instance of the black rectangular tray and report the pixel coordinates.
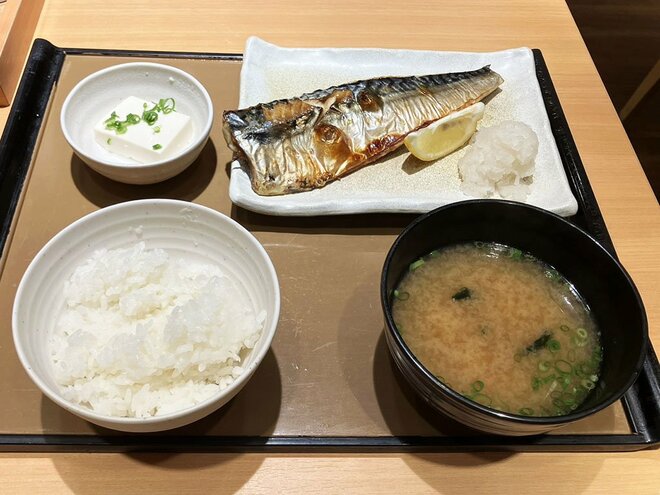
(641, 403)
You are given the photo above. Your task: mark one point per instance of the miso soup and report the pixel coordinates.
(500, 327)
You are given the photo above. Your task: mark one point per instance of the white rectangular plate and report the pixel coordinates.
(398, 182)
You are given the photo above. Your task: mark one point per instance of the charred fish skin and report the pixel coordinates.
(303, 143)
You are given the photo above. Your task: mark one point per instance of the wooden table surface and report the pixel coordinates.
(625, 198)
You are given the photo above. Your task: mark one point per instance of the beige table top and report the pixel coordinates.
(625, 198)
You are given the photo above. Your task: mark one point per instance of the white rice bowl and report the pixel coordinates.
(143, 334)
(117, 318)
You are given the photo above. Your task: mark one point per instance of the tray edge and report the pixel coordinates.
(646, 431)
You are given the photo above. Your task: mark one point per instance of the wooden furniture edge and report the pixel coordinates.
(18, 21)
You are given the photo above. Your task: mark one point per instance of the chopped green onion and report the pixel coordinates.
(554, 345)
(526, 411)
(109, 141)
(544, 365)
(536, 383)
(558, 403)
(563, 366)
(564, 328)
(479, 244)
(157, 146)
(434, 254)
(578, 342)
(478, 386)
(166, 105)
(571, 355)
(463, 293)
(401, 295)
(555, 394)
(113, 123)
(581, 333)
(113, 117)
(588, 384)
(150, 117)
(156, 129)
(515, 254)
(415, 265)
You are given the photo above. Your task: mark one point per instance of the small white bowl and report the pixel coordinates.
(93, 99)
(185, 230)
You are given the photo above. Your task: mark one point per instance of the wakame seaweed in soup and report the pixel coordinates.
(501, 327)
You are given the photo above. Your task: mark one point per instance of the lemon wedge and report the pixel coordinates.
(445, 135)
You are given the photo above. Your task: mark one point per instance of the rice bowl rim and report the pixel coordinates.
(267, 332)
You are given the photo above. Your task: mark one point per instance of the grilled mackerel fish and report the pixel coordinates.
(303, 143)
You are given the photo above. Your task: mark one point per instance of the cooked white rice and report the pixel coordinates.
(143, 334)
(500, 162)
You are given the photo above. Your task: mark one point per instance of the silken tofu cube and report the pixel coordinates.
(144, 143)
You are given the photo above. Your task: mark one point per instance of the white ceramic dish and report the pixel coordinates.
(93, 98)
(396, 183)
(186, 231)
